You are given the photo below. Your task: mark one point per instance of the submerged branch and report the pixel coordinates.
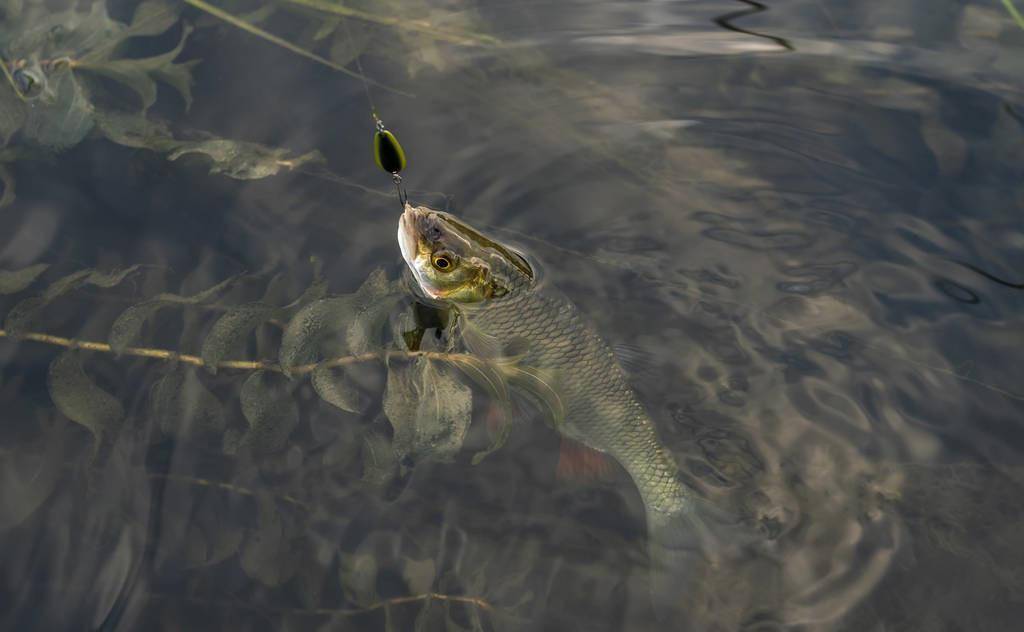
(238, 365)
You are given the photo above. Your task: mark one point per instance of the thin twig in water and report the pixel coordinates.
(238, 365)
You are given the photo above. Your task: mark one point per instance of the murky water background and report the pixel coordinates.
(807, 220)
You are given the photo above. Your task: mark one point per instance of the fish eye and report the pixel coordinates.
(443, 261)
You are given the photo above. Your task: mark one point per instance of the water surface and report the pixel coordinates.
(805, 218)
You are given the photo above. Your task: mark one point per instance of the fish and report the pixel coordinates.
(506, 312)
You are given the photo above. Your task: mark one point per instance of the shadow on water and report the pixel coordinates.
(802, 220)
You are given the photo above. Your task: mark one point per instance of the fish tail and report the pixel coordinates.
(685, 547)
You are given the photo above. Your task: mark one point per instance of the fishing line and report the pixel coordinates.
(387, 151)
(390, 157)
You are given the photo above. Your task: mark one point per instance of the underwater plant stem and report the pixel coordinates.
(1014, 13)
(238, 365)
(142, 352)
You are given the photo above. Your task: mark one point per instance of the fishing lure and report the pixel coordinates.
(389, 155)
(387, 151)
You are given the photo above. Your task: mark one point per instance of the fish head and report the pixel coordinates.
(456, 263)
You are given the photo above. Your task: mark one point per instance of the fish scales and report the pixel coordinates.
(602, 411)
(497, 295)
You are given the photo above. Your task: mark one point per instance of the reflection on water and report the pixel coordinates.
(807, 223)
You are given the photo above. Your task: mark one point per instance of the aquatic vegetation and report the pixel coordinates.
(321, 336)
(53, 61)
(65, 74)
(233, 444)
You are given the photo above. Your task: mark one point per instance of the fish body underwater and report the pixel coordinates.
(504, 311)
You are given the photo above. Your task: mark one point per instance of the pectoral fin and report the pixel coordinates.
(485, 373)
(479, 343)
(488, 347)
(541, 386)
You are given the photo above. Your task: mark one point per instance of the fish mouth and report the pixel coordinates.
(408, 242)
(407, 235)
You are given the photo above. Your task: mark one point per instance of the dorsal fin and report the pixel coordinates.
(636, 361)
(513, 257)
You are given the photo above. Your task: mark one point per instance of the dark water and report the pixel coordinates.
(807, 219)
